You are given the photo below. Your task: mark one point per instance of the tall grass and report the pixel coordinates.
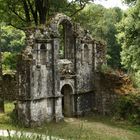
(86, 128)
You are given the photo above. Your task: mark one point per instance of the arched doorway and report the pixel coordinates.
(67, 104)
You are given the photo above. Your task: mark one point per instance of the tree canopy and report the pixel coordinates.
(24, 13)
(129, 38)
(12, 42)
(130, 2)
(129, 32)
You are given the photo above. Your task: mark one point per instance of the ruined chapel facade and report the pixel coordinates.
(56, 72)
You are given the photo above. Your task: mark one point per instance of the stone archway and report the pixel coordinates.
(67, 104)
(63, 27)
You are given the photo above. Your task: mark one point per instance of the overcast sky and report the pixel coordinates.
(111, 3)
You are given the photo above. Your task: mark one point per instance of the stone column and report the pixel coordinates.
(56, 82)
(95, 56)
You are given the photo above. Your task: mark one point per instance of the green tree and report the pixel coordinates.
(129, 37)
(9, 61)
(130, 2)
(111, 18)
(12, 42)
(24, 13)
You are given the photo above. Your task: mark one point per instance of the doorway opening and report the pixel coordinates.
(67, 104)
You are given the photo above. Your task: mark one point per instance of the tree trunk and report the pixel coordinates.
(1, 93)
(42, 8)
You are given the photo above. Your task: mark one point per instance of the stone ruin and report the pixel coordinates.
(56, 72)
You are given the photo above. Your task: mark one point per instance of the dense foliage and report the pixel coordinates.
(25, 13)
(130, 2)
(12, 42)
(129, 37)
(128, 107)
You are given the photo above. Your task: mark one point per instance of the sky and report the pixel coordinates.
(111, 3)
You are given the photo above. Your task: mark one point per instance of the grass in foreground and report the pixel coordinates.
(5, 120)
(86, 128)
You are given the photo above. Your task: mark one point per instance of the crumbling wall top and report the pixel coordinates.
(57, 20)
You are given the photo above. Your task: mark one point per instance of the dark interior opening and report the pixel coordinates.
(43, 54)
(66, 49)
(66, 91)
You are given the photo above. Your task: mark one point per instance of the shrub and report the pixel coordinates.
(106, 69)
(128, 107)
